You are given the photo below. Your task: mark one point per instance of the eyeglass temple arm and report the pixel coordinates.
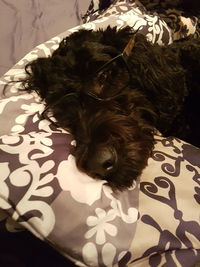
(128, 48)
(131, 43)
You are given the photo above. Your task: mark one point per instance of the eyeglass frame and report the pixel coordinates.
(124, 56)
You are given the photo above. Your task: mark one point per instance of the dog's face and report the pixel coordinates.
(92, 96)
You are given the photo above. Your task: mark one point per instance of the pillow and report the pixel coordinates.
(154, 223)
(157, 220)
(167, 25)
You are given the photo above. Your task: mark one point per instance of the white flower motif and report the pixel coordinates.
(5, 101)
(42, 138)
(5, 171)
(13, 226)
(189, 22)
(90, 254)
(132, 19)
(17, 129)
(108, 254)
(101, 225)
(28, 110)
(39, 226)
(73, 143)
(132, 213)
(156, 28)
(45, 125)
(27, 143)
(83, 188)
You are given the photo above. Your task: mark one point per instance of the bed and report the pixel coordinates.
(51, 214)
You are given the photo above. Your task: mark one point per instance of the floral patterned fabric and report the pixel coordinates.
(154, 223)
(153, 12)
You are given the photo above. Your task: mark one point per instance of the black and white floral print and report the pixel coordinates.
(154, 223)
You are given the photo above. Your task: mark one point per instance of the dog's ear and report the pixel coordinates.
(39, 73)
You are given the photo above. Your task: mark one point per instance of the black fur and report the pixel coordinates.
(115, 137)
(187, 7)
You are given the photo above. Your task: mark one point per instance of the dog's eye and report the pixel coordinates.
(103, 76)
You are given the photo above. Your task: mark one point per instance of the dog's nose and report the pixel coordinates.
(102, 162)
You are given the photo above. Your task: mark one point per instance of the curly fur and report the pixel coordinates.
(163, 94)
(187, 7)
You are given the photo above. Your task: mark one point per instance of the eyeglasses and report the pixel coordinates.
(108, 87)
(105, 78)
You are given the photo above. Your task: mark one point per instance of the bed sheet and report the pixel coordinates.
(154, 223)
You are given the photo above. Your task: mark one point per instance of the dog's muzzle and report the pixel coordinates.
(103, 162)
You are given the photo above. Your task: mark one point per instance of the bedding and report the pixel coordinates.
(154, 223)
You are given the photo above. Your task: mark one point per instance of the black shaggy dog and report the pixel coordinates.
(112, 90)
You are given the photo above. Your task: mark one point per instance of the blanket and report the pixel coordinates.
(154, 223)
